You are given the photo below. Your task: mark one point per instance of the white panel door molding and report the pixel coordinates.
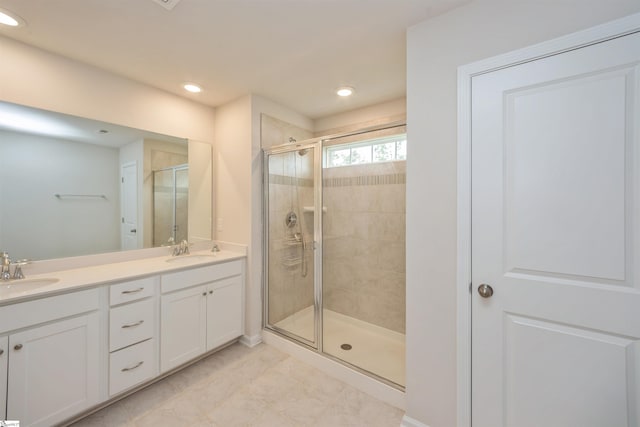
(129, 198)
(549, 218)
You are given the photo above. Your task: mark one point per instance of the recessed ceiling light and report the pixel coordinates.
(193, 88)
(10, 19)
(167, 4)
(345, 91)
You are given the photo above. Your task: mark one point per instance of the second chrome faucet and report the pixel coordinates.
(181, 249)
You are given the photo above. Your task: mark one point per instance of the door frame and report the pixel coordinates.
(122, 203)
(597, 34)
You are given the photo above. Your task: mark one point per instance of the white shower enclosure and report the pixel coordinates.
(334, 279)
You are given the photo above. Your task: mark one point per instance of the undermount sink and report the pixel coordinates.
(27, 284)
(188, 259)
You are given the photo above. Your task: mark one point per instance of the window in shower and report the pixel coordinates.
(371, 151)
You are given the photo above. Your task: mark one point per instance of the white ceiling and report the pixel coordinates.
(294, 52)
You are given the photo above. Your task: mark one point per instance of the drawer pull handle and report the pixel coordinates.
(135, 291)
(137, 365)
(1, 352)
(17, 347)
(133, 325)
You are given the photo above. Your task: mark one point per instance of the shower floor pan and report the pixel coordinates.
(373, 348)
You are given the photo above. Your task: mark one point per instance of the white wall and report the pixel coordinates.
(37, 225)
(435, 49)
(238, 172)
(41, 79)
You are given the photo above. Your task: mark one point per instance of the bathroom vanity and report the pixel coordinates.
(72, 340)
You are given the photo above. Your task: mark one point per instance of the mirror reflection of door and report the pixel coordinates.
(129, 184)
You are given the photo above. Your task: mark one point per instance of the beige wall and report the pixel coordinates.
(373, 115)
(435, 49)
(364, 243)
(37, 78)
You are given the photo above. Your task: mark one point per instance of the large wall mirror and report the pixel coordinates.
(71, 186)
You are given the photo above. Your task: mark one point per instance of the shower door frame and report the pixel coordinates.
(316, 147)
(174, 170)
(317, 144)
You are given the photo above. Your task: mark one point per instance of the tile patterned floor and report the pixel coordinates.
(239, 386)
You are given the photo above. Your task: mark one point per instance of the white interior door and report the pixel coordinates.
(555, 234)
(129, 187)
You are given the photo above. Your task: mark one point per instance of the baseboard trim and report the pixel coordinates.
(410, 422)
(251, 341)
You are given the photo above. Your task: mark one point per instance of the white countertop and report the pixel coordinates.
(74, 279)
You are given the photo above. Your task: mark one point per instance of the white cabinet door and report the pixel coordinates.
(555, 220)
(183, 321)
(224, 311)
(4, 356)
(54, 371)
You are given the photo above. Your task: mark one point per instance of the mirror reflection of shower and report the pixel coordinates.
(170, 204)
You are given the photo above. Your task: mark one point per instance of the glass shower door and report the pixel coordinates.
(289, 260)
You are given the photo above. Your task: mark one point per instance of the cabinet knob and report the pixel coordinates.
(210, 292)
(204, 294)
(17, 347)
(1, 352)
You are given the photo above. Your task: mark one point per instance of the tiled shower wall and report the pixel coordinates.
(289, 291)
(364, 243)
(290, 190)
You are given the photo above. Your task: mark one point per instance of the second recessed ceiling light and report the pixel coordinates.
(345, 91)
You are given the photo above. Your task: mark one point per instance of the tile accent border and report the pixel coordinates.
(352, 181)
(289, 180)
(349, 181)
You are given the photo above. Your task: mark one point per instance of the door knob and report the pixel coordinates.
(485, 291)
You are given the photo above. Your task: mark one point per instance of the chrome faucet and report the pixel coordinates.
(17, 271)
(181, 249)
(184, 247)
(215, 248)
(5, 272)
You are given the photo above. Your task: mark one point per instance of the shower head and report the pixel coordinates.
(292, 140)
(303, 152)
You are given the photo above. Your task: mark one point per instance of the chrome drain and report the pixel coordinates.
(346, 346)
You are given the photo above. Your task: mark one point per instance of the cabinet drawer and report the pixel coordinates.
(197, 276)
(132, 291)
(25, 314)
(131, 366)
(131, 323)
